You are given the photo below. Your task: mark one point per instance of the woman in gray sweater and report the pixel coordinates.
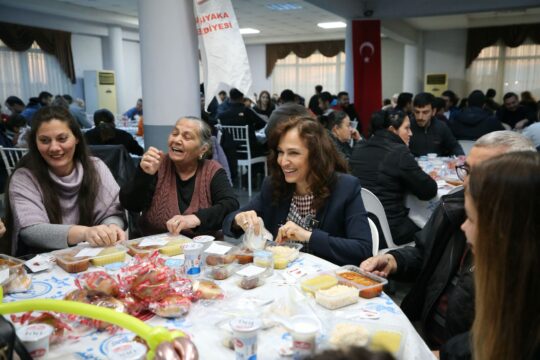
(59, 196)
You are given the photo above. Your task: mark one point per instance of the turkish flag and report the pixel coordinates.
(366, 43)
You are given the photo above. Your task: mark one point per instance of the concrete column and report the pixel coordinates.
(116, 62)
(349, 67)
(169, 66)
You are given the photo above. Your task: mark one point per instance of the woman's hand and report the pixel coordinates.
(248, 218)
(180, 222)
(103, 235)
(2, 228)
(355, 135)
(151, 160)
(292, 231)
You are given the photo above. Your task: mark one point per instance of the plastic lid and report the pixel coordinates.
(303, 324)
(203, 238)
(35, 332)
(245, 324)
(263, 254)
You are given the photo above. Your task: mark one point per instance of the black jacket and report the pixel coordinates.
(121, 137)
(513, 117)
(432, 264)
(435, 138)
(238, 115)
(473, 122)
(385, 166)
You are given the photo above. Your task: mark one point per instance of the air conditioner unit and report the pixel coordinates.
(100, 91)
(436, 83)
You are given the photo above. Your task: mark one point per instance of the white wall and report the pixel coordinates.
(392, 53)
(87, 55)
(445, 53)
(257, 62)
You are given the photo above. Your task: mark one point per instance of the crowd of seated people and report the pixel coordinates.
(59, 195)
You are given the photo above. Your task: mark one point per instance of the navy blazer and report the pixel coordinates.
(342, 236)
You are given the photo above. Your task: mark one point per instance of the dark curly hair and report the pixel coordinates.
(324, 159)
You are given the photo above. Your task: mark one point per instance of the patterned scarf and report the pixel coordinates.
(302, 213)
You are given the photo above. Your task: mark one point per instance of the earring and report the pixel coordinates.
(200, 157)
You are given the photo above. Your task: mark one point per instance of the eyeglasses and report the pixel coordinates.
(462, 171)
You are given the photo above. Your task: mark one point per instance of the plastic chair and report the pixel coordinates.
(240, 136)
(11, 157)
(466, 145)
(374, 236)
(374, 206)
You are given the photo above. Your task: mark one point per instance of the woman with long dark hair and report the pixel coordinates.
(264, 104)
(58, 194)
(502, 201)
(384, 164)
(308, 196)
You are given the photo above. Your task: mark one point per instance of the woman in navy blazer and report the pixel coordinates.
(308, 198)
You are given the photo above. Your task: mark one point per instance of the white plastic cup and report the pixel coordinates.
(304, 330)
(245, 331)
(128, 351)
(35, 338)
(192, 258)
(206, 240)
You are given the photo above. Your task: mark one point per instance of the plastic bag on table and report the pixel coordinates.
(98, 281)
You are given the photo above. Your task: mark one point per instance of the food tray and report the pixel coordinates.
(283, 258)
(251, 276)
(66, 260)
(320, 281)
(221, 257)
(221, 272)
(369, 285)
(109, 255)
(16, 267)
(337, 296)
(172, 248)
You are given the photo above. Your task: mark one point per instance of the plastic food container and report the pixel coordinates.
(244, 256)
(14, 265)
(283, 253)
(166, 244)
(319, 282)
(251, 276)
(222, 272)
(370, 285)
(66, 260)
(337, 296)
(265, 259)
(109, 255)
(220, 253)
(13, 276)
(390, 339)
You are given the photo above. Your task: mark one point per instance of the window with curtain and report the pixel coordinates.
(302, 75)
(26, 74)
(506, 69)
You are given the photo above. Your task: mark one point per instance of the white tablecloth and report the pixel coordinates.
(420, 211)
(201, 322)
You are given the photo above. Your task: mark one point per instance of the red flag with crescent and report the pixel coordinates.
(366, 40)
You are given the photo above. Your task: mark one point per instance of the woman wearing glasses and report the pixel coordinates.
(385, 165)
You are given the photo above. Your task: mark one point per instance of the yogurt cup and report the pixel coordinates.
(192, 258)
(128, 351)
(206, 240)
(35, 338)
(304, 330)
(245, 331)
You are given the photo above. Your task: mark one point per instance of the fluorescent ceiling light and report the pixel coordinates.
(332, 25)
(249, 31)
(283, 6)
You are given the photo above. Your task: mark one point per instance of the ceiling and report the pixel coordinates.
(301, 24)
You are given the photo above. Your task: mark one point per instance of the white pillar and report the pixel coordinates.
(169, 66)
(349, 67)
(116, 57)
